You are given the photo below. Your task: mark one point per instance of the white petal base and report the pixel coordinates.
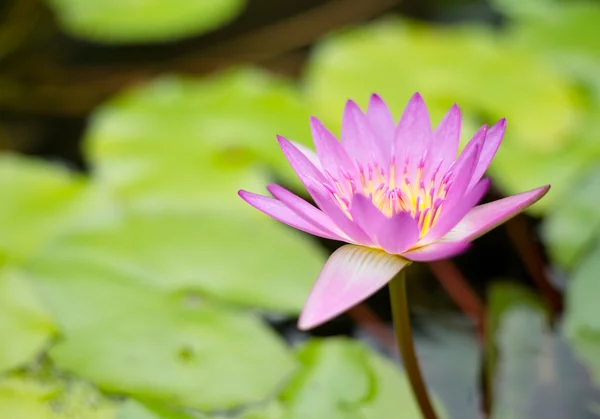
(351, 274)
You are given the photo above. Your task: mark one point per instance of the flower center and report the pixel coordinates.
(391, 191)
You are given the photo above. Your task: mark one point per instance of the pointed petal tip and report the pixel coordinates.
(533, 195)
(305, 323)
(352, 106)
(251, 197)
(272, 186)
(417, 96)
(543, 190)
(498, 129)
(376, 102)
(352, 274)
(486, 217)
(314, 120)
(316, 126)
(376, 99)
(416, 101)
(282, 140)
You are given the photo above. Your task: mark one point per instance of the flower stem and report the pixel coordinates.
(405, 344)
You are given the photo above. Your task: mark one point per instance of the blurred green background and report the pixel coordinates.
(135, 284)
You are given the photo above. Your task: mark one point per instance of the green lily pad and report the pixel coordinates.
(341, 378)
(22, 399)
(26, 398)
(118, 315)
(250, 261)
(182, 143)
(573, 225)
(392, 393)
(273, 410)
(489, 82)
(350, 65)
(525, 9)
(582, 318)
(139, 21)
(135, 410)
(38, 199)
(169, 350)
(583, 310)
(180, 149)
(516, 169)
(333, 382)
(518, 324)
(587, 347)
(567, 28)
(24, 324)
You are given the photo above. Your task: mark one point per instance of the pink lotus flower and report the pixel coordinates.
(396, 192)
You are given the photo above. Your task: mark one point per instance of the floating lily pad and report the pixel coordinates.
(334, 381)
(37, 200)
(272, 410)
(139, 21)
(582, 318)
(250, 261)
(564, 27)
(199, 356)
(26, 398)
(184, 143)
(587, 348)
(526, 9)
(519, 330)
(583, 310)
(340, 378)
(134, 410)
(492, 79)
(20, 398)
(180, 149)
(516, 169)
(119, 316)
(25, 325)
(572, 227)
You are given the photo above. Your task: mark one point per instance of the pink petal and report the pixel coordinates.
(446, 138)
(394, 235)
(308, 153)
(450, 217)
(492, 141)
(351, 274)
(398, 233)
(382, 122)
(276, 209)
(307, 211)
(463, 168)
(367, 216)
(332, 155)
(483, 218)
(359, 139)
(413, 133)
(324, 200)
(437, 251)
(299, 162)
